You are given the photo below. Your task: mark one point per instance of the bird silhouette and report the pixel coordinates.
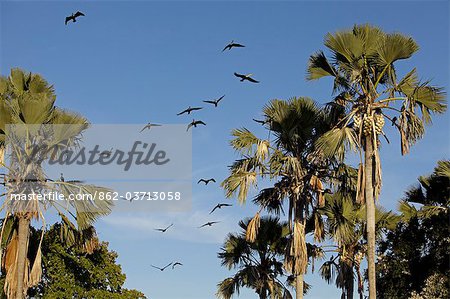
(61, 177)
(73, 17)
(231, 45)
(149, 126)
(247, 77)
(106, 154)
(219, 206)
(161, 269)
(209, 223)
(206, 181)
(194, 124)
(176, 264)
(189, 110)
(394, 121)
(215, 102)
(163, 230)
(128, 199)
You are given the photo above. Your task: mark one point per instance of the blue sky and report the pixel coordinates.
(138, 61)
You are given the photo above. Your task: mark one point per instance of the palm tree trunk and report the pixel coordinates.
(370, 215)
(262, 294)
(299, 286)
(23, 235)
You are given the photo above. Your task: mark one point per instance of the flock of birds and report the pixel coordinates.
(195, 122)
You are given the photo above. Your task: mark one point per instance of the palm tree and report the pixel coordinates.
(365, 79)
(288, 161)
(345, 224)
(259, 262)
(27, 100)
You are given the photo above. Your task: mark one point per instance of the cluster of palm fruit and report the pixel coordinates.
(367, 120)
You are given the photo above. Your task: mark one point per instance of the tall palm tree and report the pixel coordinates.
(345, 224)
(287, 161)
(259, 262)
(362, 66)
(28, 101)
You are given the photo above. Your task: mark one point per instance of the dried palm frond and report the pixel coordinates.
(298, 248)
(377, 178)
(252, 228)
(360, 199)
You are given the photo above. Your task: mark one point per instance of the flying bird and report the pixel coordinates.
(189, 110)
(106, 154)
(194, 124)
(161, 269)
(163, 230)
(176, 264)
(206, 181)
(215, 102)
(219, 206)
(74, 17)
(149, 126)
(247, 77)
(130, 199)
(231, 45)
(209, 223)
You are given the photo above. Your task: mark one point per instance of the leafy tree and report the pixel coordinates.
(362, 66)
(259, 262)
(69, 272)
(27, 99)
(415, 255)
(287, 161)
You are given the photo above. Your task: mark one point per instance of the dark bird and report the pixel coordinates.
(215, 102)
(206, 181)
(176, 264)
(161, 269)
(61, 178)
(262, 122)
(74, 17)
(247, 77)
(189, 110)
(231, 45)
(163, 230)
(209, 223)
(394, 120)
(149, 126)
(106, 154)
(219, 206)
(194, 124)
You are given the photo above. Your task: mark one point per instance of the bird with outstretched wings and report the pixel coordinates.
(189, 110)
(73, 17)
(206, 181)
(231, 45)
(247, 77)
(194, 124)
(209, 224)
(163, 230)
(163, 268)
(215, 102)
(219, 206)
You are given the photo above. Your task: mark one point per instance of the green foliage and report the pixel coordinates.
(414, 256)
(259, 263)
(68, 272)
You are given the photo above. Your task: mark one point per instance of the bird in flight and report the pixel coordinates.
(231, 45)
(219, 206)
(106, 154)
(189, 110)
(209, 223)
(163, 230)
(176, 264)
(247, 77)
(161, 269)
(74, 17)
(215, 102)
(194, 124)
(149, 126)
(130, 199)
(206, 181)
(262, 122)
